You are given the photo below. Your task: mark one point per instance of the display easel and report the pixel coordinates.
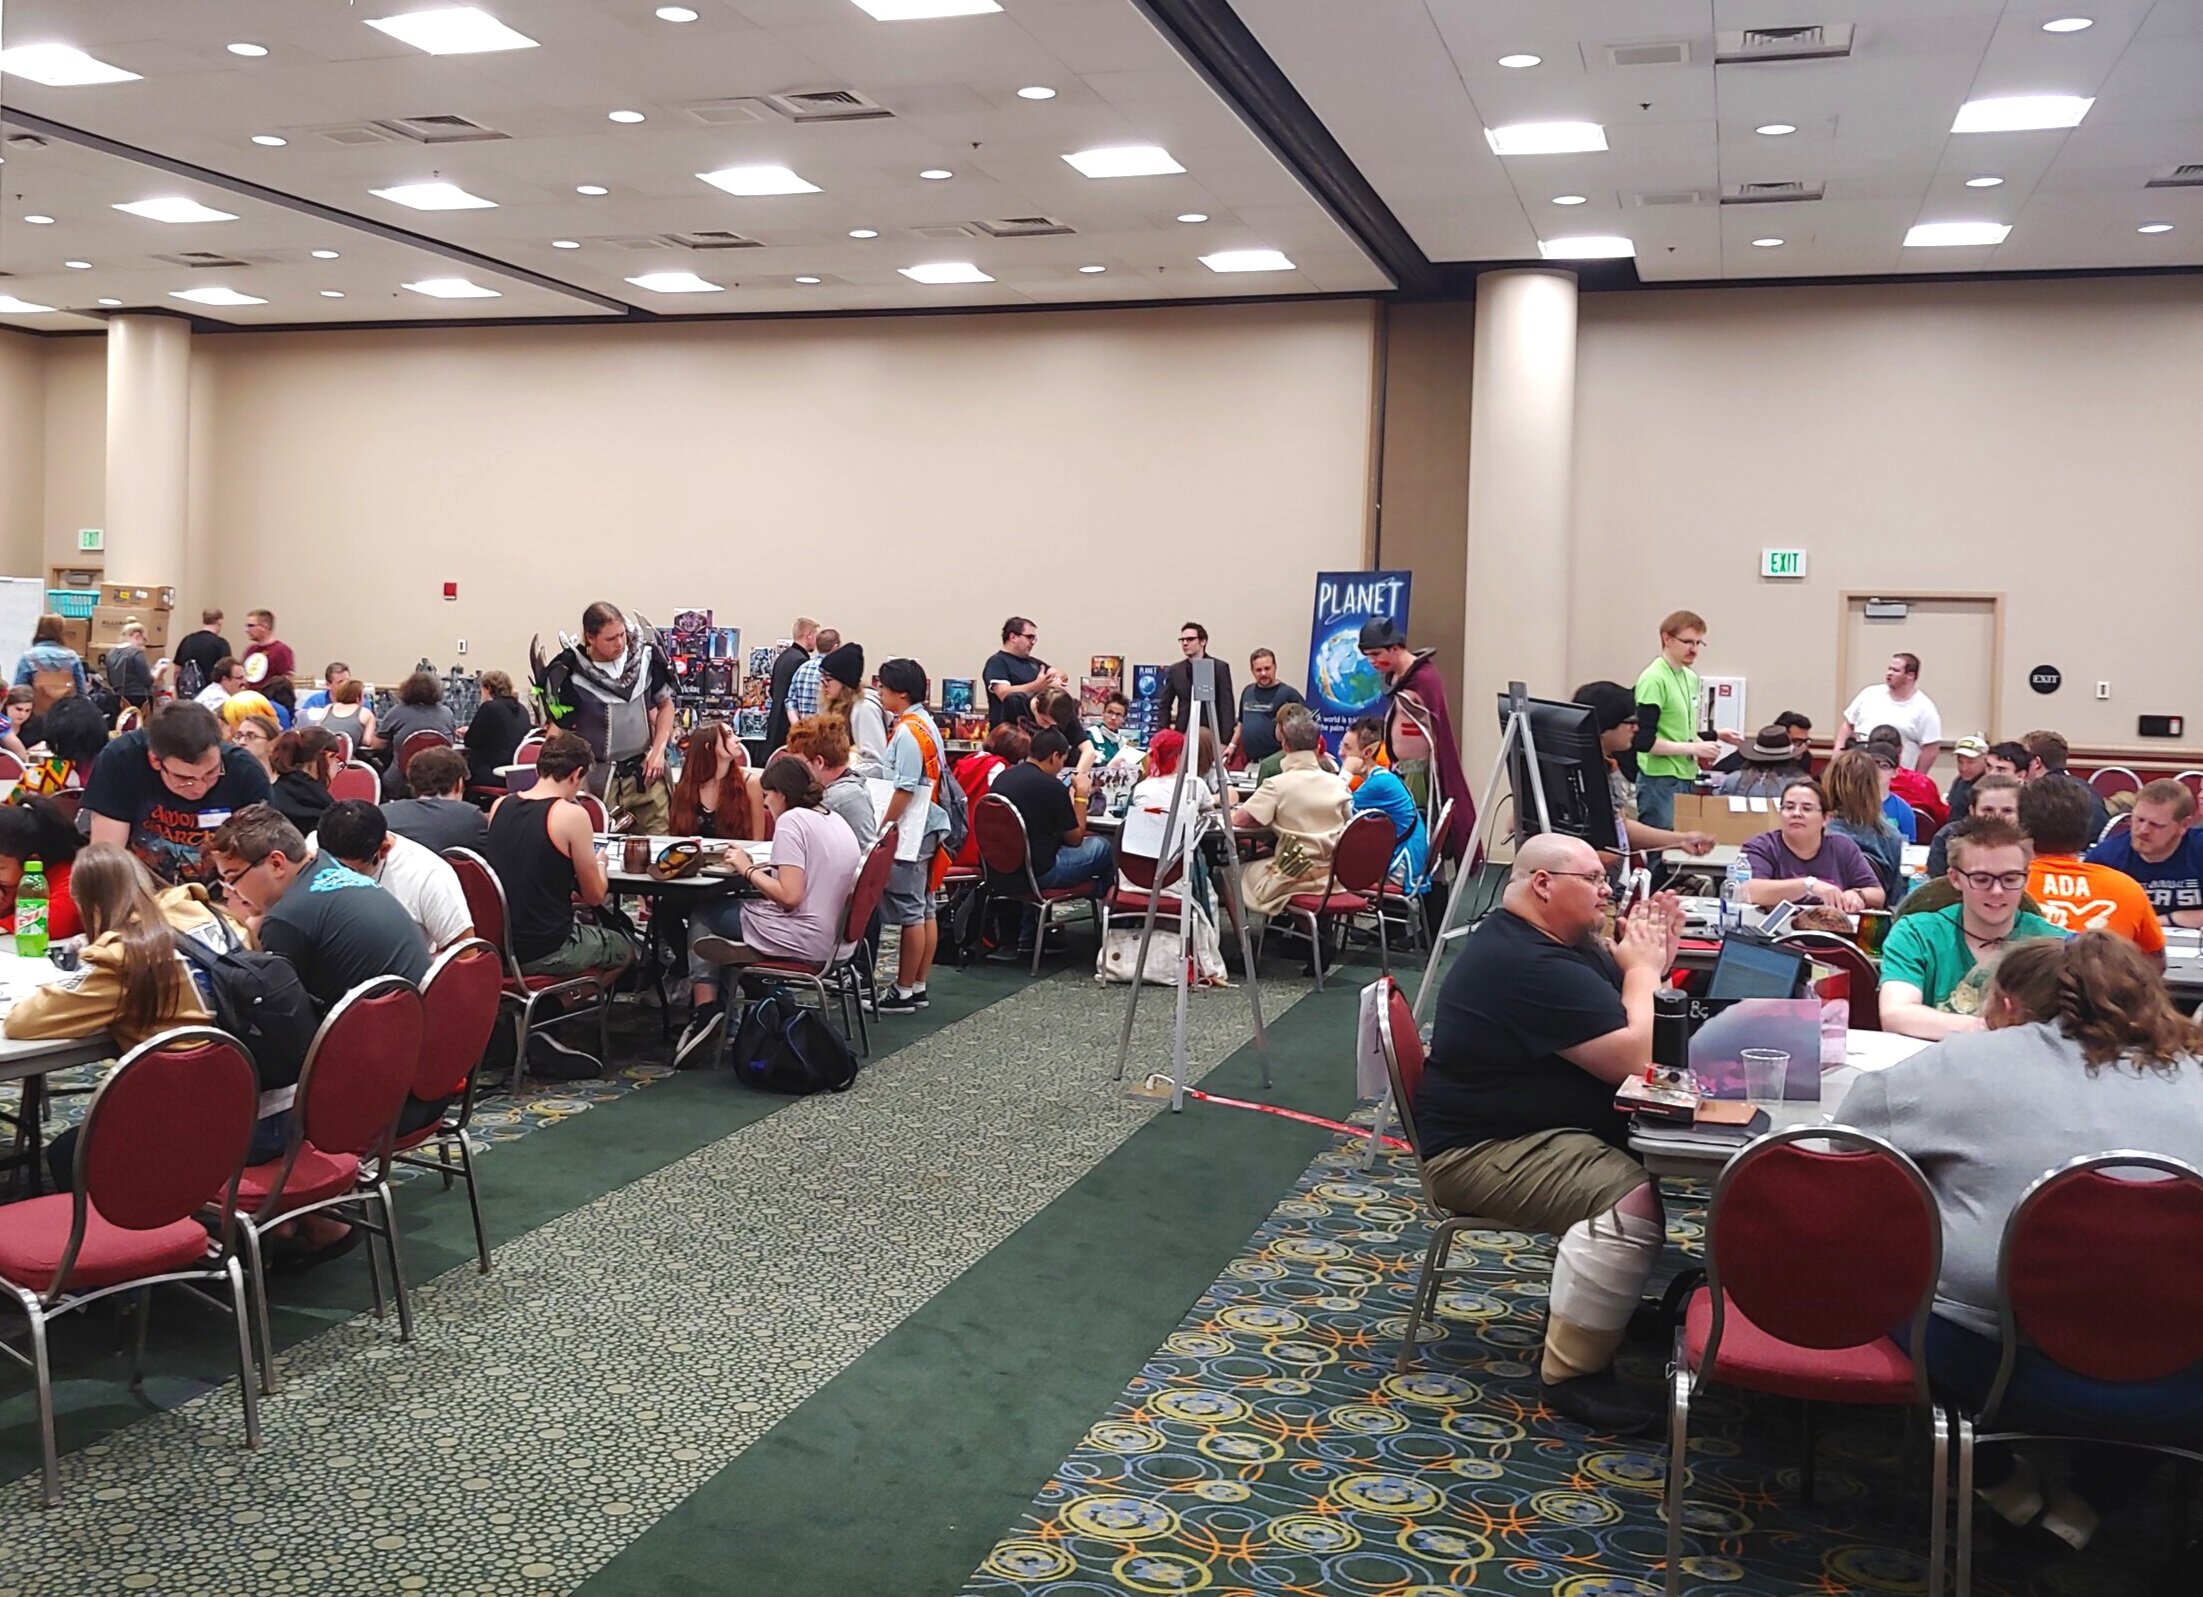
(1203, 694)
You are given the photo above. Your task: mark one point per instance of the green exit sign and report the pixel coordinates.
(90, 540)
(1782, 562)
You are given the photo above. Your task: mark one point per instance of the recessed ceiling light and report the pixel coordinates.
(332, 293)
(215, 296)
(1546, 138)
(1193, 216)
(591, 189)
(675, 14)
(916, 10)
(323, 255)
(2068, 24)
(247, 49)
(274, 141)
(60, 66)
(1775, 130)
(1091, 270)
(1588, 247)
(171, 208)
(936, 174)
(675, 283)
(1984, 182)
(807, 280)
(452, 30)
(2154, 227)
(2021, 113)
(452, 288)
(1125, 160)
(1766, 243)
(624, 116)
(1036, 91)
(110, 302)
(945, 272)
(11, 306)
(1934, 235)
(1568, 199)
(566, 243)
(1520, 60)
(44, 221)
(755, 180)
(1247, 261)
(438, 196)
(864, 232)
(78, 266)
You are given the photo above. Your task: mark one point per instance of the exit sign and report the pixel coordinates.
(1782, 562)
(91, 540)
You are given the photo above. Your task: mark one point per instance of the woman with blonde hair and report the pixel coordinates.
(1853, 783)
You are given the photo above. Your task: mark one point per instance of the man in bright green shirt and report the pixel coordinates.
(1670, 765)
(1936, 964)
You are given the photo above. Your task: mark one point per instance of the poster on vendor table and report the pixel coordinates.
(1342, 686)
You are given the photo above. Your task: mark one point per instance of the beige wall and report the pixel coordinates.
(22, 454)
(2033, 438)
(76, 444)
(1423, 499)
(910, 480)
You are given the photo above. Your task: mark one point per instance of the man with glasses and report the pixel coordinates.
(161, 791)
(1013, 676)
(1668, 763)
(1178, 711)
(1541, 1017)
(1936, 965)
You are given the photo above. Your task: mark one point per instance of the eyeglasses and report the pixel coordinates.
(231, 878)
(1189, 637)
(1982, 881)
(1030, 637)
(1581, 876)
(183, 779)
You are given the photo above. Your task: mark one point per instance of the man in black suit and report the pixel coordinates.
(1178, 711)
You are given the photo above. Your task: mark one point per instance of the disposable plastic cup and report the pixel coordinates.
(1764, 1070)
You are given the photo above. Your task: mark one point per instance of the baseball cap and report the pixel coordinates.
(1972, 746)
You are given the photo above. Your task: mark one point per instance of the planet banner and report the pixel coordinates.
(1342, 686)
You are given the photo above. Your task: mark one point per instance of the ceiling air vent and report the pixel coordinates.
(356, 133)
(440, 129)
(1024, 227)
(1818, 42)
(632, 241)
(1672, 53)
(2189, 176)
(1650, 197)
(826, 105)
(1770, 193)
(957, 231)
(714, 239)
(723, 113)
(25, 141)
(199, 258)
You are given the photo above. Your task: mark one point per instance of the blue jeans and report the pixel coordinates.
(719, 917)
(1656, 799)
(1087, 864)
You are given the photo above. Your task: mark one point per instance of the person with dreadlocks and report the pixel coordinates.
(613, 687)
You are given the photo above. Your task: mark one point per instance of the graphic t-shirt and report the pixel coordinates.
(1674, 689)
(2081, 897)
(270, 659)
(2172, 883)
(168, 829)
(1258, 707)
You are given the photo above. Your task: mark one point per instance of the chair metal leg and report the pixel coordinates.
(1040, 936)
(1679, 1390)
(256, 1278)
(42, 1373)
(247, 1388)
(523, 1018)
(1384, 942)
(374, 1274)
(1965, 1494)
(144, 1317)
(1939, 1496)
(443, 1157)
(474, 1198)
(1315, 947)
(397, 1273)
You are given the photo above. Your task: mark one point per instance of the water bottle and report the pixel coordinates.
(1732, 893)
(30, 912)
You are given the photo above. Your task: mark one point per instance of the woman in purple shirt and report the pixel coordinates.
(1802, 861)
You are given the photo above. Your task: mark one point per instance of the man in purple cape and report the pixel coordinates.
(1419, 729)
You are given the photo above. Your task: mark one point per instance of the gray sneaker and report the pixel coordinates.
(699, 1042)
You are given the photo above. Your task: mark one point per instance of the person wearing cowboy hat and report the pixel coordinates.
(1770, 761)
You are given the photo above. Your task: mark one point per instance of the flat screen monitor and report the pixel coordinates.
(1749, 968)
(1573, 768)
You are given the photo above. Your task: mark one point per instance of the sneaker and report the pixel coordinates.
(550, 1059)
(901, 1003)
(699, 1040)
(1600, 1403)
(919, 994)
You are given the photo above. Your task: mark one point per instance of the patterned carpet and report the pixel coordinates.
(1269, 1447)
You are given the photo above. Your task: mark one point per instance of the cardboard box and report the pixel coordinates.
(140, 599)
(106, 625)
(77, 635)
(1721, 817)
(74, 577)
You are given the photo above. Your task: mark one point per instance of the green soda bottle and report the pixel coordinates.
(30, 911)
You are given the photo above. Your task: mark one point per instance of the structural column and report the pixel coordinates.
(148, 448)
(1522, 433)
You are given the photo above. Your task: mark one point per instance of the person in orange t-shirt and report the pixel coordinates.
(2073, 893)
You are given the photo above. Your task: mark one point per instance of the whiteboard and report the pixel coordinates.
(22, 602)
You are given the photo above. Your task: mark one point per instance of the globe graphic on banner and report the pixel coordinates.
(1345, 678)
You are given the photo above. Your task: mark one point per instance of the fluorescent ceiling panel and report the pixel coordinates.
(750, 181)
(675, 283)
(11, 306)
(917, 10)
(1588, 247)
(215, 296)
(945, 272)
(60, 66)
(2021, 113)
(1934, 235)
(1247, 261)
(1546, 138)
(176, 208)
(452, 30)
(452, 288)
(1125, 160)
(434, 197)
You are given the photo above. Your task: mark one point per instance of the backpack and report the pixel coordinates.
(783, 1046)
(49, 686)
(258, 999)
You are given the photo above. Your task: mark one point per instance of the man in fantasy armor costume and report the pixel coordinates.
(613, 686)
(1426, 754)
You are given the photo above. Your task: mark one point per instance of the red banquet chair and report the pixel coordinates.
(411, 744)
(2110, 781)
(460, 1005)
(1813, 1252)
(1359, 864)
(1007, 854)
(355, 782)
(2100, 1275)
(567, 997)
(357, 1074)
(1865, 976)
(170, 1125)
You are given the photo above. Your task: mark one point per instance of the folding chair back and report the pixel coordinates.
(1822, 1248)
(1363, 857)
(1004, 848)
(485, 896)
(600, 819)
(361, 1067)
(168, 1127)
(413, 743)
(459, 1010)
(11, 768)
(355, 782)
(1402, 1045)
(1848, 957)
(2110, 781)
(870, 888)
(1151, 876)
(529, 749)
(344, 747)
